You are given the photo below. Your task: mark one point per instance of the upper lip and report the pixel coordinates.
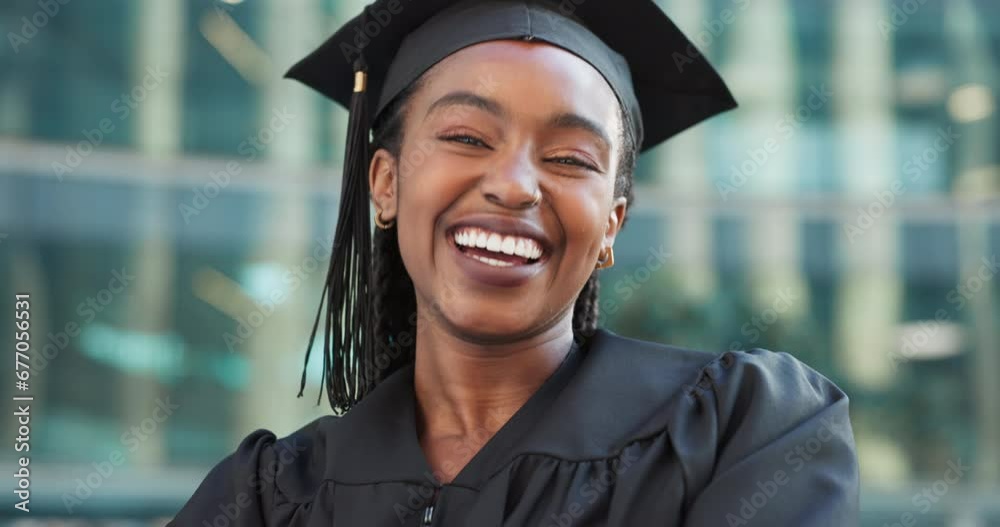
(505, 225)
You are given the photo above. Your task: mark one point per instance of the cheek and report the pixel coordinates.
(582, 211)
(429, 184)
(429, 187)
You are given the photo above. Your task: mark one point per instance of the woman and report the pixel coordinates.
(474, 384)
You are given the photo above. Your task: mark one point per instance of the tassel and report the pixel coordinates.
(348, 327)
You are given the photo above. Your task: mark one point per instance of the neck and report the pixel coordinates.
(470, 389)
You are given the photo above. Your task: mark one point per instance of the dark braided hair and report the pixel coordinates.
(393, 298)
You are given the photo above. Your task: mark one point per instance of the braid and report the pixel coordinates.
(585, 312)
(393, 298)
(381, 282)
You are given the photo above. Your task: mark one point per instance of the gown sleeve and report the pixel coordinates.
(785, 452)
(237, 490)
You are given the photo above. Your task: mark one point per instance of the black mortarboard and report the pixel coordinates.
(659, 77)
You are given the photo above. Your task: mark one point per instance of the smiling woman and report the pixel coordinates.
(462, 354)
(530, 161)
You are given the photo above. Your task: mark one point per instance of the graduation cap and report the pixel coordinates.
(662, 82)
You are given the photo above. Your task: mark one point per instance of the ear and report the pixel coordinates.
(615, 219)
(382, 175)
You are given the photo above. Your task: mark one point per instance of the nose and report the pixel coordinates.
(512, 183)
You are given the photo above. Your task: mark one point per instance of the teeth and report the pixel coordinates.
(498, 243)
(493, 244)
(508, 245)
(491, 261)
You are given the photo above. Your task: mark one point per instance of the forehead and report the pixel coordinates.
(529, 78)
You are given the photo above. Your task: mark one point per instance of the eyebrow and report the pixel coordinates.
(566, 120)
(572, 120)
(467, 98)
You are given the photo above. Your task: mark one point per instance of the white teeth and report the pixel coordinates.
(491, 261)
(508, 245)
(498, 243)
(493, 244)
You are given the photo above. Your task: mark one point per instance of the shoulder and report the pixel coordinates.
(729, 374)
(654, 371)
(261, 474)
(734, 418)
(760, 388)
(763, 394)
(774, 423)
(295, 463)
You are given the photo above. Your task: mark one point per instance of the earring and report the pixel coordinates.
(380, 222)
(606, 261)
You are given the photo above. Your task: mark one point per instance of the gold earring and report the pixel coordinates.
(606, 261)
(380, 222)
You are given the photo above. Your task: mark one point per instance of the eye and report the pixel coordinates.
(465, 140)
(572, 161)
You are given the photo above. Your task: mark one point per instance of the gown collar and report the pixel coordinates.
(376, 441)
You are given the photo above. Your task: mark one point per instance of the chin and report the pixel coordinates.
(483, 323)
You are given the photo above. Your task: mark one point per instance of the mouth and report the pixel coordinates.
(495, 248)
(499, 252)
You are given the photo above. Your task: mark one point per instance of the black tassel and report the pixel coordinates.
(348, 328)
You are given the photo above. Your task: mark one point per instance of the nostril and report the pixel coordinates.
(536, 198)
(523, 203)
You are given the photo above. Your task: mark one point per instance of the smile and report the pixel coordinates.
(495, 248)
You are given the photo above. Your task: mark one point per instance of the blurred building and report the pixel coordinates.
(166, 198)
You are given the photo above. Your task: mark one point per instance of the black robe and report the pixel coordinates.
(624, 433)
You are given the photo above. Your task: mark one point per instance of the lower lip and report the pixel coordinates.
(511, 276)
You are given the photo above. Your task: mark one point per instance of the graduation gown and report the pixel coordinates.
(624, 433)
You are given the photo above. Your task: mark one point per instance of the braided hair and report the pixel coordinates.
(392, 295)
